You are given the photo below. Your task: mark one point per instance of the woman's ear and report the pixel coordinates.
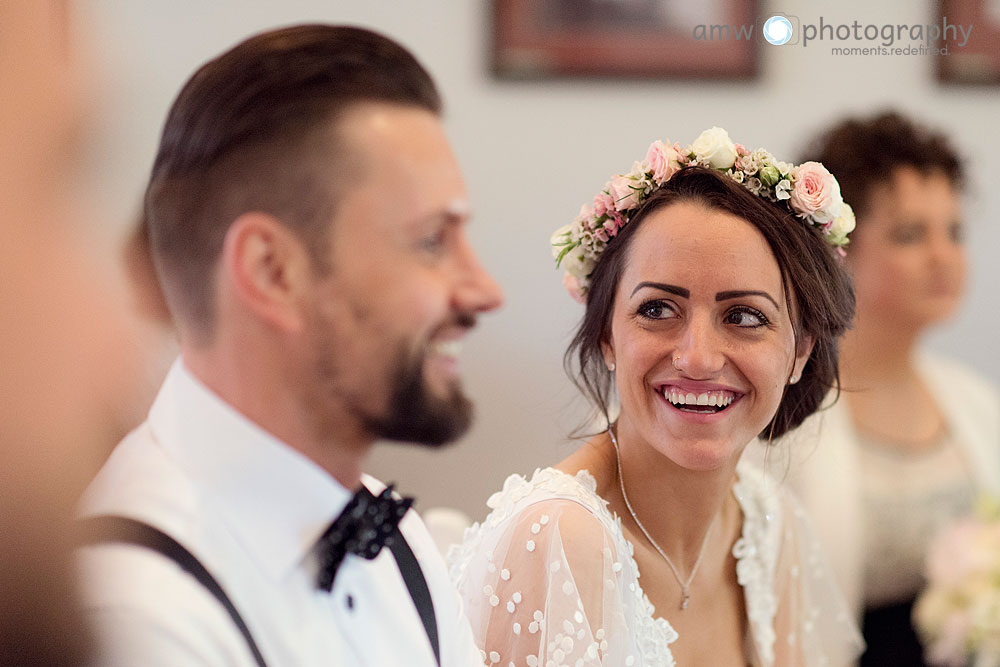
(608, 351)
(804, 348)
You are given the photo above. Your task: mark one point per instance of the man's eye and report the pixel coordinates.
(746, 317)
(957, 233)
(433, 243)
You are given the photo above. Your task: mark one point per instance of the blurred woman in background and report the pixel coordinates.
(915, 437)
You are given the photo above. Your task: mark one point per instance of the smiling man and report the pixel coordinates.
(307, 219)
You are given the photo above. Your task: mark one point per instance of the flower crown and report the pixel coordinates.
(808, 190)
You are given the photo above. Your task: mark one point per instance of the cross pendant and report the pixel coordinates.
(685, 596)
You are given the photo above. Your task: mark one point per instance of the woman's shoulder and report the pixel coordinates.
(546, 488)
(957, 375)
(527, 506)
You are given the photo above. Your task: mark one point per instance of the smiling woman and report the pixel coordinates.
(714, 300)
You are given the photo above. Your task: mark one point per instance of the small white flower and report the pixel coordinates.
(781, 190)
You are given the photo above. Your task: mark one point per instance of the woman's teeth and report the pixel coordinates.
(710, 399)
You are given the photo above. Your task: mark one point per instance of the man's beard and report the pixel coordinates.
(415, 414)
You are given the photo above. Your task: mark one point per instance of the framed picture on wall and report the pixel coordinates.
(625, 38)
(971, 33)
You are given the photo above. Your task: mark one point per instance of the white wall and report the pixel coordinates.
(532, 153)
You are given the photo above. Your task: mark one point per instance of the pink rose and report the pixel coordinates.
(572, 285)
(613, 224)
(617, 219)
(623, 192)
(603, 203)
(816, 193)
(662, 160)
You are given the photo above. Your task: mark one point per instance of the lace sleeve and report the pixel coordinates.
(813, 625)
(542, 589)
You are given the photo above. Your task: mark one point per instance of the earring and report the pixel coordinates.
(611, 367)
(793, 379)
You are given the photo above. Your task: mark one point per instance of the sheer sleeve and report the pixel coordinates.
(547, 581)
(813, 624)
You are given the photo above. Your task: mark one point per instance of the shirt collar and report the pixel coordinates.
(276, 501)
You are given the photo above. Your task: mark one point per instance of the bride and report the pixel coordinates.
(714, 300)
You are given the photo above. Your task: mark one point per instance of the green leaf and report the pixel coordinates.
(565, 251)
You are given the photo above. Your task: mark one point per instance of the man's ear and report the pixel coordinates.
(268, 269)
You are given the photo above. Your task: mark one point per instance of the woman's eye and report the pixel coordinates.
(746, 317)
(656, 310)
(906, 234)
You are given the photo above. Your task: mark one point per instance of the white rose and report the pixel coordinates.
(842, 225)
(715, 147)
(577, 263)
(560, 238)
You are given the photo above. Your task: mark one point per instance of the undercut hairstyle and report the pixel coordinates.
(255, 130)
(864, 153)
(812, 276)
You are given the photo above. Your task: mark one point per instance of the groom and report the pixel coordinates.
(307, 220)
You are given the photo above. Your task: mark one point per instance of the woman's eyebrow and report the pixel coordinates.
(673, 289)
(736, 294)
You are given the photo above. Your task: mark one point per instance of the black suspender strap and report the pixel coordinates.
(416, 584)
(101, 529)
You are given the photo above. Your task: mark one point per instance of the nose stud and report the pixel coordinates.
(674, 362)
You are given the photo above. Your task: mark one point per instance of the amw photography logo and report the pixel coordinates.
(854, 38)
(778, 30)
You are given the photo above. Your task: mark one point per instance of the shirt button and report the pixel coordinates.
(350, 602)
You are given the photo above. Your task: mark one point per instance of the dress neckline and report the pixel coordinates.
(750, 549)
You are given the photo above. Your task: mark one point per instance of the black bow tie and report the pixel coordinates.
(366, 525)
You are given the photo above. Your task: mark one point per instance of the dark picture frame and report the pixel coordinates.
(624, 38)
(978, 61)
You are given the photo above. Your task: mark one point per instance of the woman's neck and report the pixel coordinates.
(877, 354)
(677, 506)
(885, 393)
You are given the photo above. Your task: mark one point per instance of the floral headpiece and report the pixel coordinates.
(808, 190)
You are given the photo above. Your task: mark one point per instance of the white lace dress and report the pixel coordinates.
(549, 580)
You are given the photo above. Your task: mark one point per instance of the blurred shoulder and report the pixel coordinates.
(938, 369)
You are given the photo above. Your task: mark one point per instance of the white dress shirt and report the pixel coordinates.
(250, 509)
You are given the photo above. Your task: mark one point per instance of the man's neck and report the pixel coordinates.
(339, 444)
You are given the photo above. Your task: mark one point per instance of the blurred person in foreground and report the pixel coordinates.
(68, 353)
(915, 436)
(307, 221)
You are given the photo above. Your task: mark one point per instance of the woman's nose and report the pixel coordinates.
(699, 354)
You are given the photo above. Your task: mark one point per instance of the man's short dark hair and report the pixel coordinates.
(253, 130)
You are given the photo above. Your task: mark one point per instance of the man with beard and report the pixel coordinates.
(307, 220)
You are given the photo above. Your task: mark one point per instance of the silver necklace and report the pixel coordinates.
(684, 584)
